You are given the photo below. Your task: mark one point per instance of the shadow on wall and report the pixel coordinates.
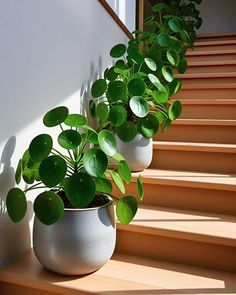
(14, 238)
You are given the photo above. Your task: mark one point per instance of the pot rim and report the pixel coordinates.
(93, 208)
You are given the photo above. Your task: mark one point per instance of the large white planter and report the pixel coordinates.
(80, 243)
(137, 152)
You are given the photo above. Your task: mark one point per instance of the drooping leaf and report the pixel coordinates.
(55, 116)
(80, 189)
(117, 90)
(117, 115)
(139, 106)
(92, 108)
(95, 162)
(127, 131)
(98, 88)
(155, 81)
(175, 110)
(136, 87)
(92, 136)
(103, 185)
(172, 57)
(107, 142)
(118, 181)
(48, 207)
(174, 25)
(158, 7)
(174, 86)
(160, 96)
(102, 112)
(118, 50)
(126, 209)
(150, 63)
(167, 73)
(18, 172)
(16, 204)
(182, 66)
(52, 170)
(140, 187)
(124, 171)
(40, 147)
(69, 139)
(163, 39)
(148, 126)
(111, 75)
(75, 120)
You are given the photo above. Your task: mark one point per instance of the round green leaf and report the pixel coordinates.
(139, 106)
(174, 86)
(167, 73)
(117, 90)
(18, 172)
(75, 120)
(150, 63)
(158, 7)
(48, 207)
(103, 185)
(95, 162)
(148, 126)
(111, 75)
(153, 79)
(174, 25)
(136, 86)
(40, 147)
(117, 115)
(98, 88)
(55, 116)
(118, 50)
(127, 131)
(69, 139)
(172, 57)
(92, 136)
(107, 142)
(160, 96)
(92, 108)
(80, 189)
(126, 209)
(182, 66)
(140, 187)
(118, 181)
(124, 171)
(52, 170)
(163, 39)
(16, 204)
(102, 112)
(175, 110)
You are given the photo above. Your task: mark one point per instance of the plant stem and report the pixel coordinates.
(33, 186)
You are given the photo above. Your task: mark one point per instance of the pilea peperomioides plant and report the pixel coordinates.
(75, 179)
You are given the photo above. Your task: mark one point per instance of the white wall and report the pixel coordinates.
(219, 16)
(50, 52)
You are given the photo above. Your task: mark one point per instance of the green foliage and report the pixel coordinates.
(80, 175)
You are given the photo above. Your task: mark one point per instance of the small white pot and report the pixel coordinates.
(137, 152)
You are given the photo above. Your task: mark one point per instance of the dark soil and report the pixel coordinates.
(98, 200)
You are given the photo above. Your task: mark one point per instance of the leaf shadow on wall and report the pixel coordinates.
(14, 238)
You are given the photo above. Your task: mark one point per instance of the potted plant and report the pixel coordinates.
(74, 227)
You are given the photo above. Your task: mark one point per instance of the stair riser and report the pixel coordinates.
(207, 111)
(217, 162)
(211, 69)
(213, 47)
(215, 57)
(213, 37)
(199, 133)
(196, 81)
(189, 198)
(178, 250)
(206, 94)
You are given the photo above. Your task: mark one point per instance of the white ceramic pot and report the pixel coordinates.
(80, 243)
(137, 152)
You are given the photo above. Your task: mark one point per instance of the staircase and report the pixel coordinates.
(183, 239)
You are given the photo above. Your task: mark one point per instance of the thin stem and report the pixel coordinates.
(68, 160)
(32, 186)
(61, 127)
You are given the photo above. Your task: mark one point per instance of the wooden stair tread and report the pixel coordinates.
(213, 35)
(205, 101)
(195, 146)
(210, 52)
(206, 75)
(198, 86)
(188, 179)
(184, 224)
(123, 274)
(214, 122)
(211, 63)
(214, 42)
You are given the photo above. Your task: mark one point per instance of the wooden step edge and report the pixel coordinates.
(206, 75)
(198, 86)
(212, 63)
(215, 42)
(123, 275)
(205, 122)
(194, 147)
(214, 35)
(184, 224)
(210, 52)
(206, 101)
(200, 180)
